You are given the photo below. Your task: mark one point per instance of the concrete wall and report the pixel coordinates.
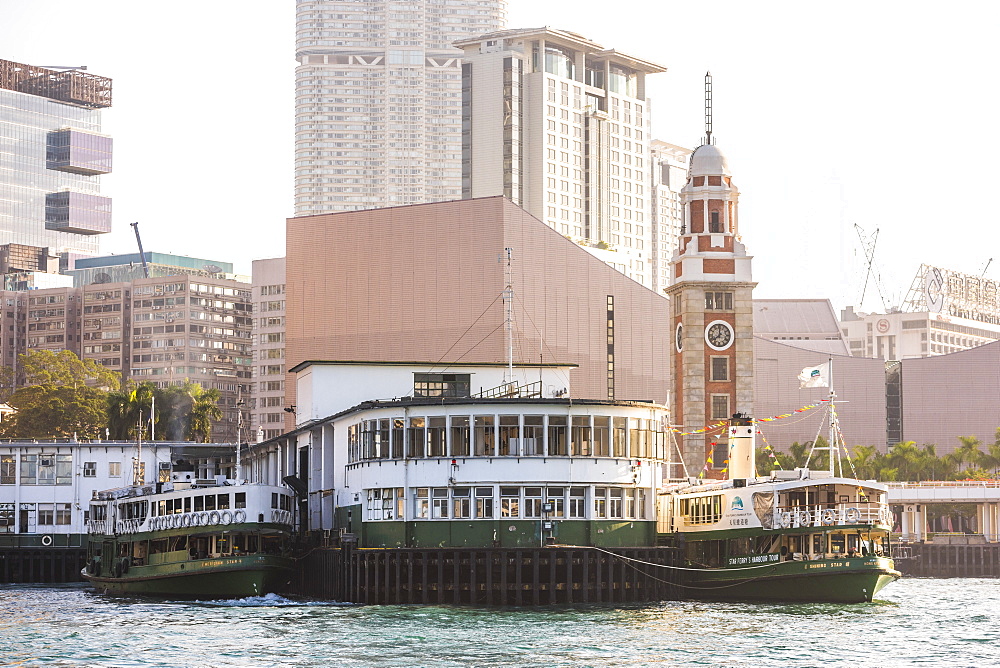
(422, 283)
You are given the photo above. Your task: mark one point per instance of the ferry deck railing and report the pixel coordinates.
(831, 515)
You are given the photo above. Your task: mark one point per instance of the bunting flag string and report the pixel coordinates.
(769, 450)
(723, 424)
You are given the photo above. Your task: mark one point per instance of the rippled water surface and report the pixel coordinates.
(917, 622)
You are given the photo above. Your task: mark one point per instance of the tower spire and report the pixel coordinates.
(708, 108)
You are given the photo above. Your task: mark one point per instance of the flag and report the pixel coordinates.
(815, 376)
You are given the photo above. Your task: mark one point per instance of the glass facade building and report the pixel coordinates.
(52, 154)
(378, 100)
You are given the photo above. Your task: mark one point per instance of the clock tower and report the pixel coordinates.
(711, 291)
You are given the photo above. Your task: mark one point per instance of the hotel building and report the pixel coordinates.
(559, 125)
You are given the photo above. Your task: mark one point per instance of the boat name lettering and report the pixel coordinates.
(753, 559)
(739, 521)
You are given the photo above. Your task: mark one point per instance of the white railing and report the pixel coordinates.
(281, 517)
(842, 514)
(944, 483)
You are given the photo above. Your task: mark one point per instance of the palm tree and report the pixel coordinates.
(966, 457)
(866, 460)
(204, 410)
(128, 411)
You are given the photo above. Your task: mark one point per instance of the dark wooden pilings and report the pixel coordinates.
(19, 565)
(489, 576)
(960, 561)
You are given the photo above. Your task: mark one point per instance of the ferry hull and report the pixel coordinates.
(239, 578)
(847, 581)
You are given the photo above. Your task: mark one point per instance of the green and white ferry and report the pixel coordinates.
(205, 539)
(794, 536)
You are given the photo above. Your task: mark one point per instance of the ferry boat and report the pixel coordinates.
(205, 539)
(794, 536)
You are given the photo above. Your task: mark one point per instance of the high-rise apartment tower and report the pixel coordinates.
(378, 100)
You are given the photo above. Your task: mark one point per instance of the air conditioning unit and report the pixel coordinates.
(48, 461)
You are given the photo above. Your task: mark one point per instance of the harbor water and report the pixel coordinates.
(916, 621)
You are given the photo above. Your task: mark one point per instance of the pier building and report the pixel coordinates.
(461, 456)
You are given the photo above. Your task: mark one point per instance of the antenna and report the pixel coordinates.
(508, 300)
(988, 263)
(708, 107)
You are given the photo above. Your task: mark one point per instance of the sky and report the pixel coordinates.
(832, 115)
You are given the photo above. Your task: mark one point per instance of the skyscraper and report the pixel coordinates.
(378, 100)
(559, 125)
(51, 159)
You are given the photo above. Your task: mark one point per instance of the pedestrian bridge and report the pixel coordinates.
(914, 497)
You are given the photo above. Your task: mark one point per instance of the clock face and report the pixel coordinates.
(719, 335)
(679, 337)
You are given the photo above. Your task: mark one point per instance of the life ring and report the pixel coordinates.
(226, 517)
(195, 519)
(852, 515)
(829, 516)
(240, 516)
(804, 518)
(175, 521)
(46, 540)
(187, 519)
(785, 520)
(214, 517)
(203, 519)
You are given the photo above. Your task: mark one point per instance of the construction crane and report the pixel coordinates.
(871, 272)
(142, 255)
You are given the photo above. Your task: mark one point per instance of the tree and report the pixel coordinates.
(47, 367)
(51, 411)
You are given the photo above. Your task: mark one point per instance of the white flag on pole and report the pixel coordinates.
(815, 376)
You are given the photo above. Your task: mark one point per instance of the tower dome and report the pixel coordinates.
(708, 160)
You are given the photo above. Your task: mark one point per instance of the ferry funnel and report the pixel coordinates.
(742, 448)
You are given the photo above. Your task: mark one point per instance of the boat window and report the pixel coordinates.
(819, 543)
(199, 503)
(556, 498)
(274, 499)
(223, 502)
(838, 543)
(187, 504)
(241, 499)
(702, 509)
(210, 502)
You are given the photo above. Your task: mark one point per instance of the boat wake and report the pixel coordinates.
(266, 601)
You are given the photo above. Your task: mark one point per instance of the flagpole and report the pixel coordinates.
(833, 418)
